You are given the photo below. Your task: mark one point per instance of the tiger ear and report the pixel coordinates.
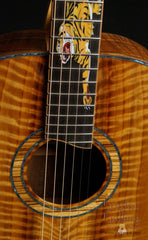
(96, 8)
(69, 8)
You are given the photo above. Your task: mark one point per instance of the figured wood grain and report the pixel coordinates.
(22, 42)
(121, 112)
(117, 45)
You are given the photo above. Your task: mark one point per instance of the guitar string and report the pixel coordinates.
(88, 176)
(57, 139)
(100, 30)
(66, 129)
(49, 86)
(75, 129)
(81, 162)
(57, 142)
(55, 165)
(66, 134)
(88, 183)
(82, 156)
(48, 118)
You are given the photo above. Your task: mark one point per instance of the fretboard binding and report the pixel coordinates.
(74, 68)
(70, 125)
(76, 54)
(81, 38)
(75, 20)
(62, 115)
(77, 1)
(68, 82)
(70, 94)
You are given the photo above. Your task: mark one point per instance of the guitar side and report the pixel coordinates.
(121, 112)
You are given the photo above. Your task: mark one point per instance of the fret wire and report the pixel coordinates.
(74, 142)
(57, 81)
(75, 20)
(69, 37)
(70, 134)
(71, 105)
(48, 100)
(74, 94)
(71, 125)
(76, 54)
(74, 68)
(77, 1)
(62, 115)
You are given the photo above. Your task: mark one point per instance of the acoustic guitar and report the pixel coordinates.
(73, 138)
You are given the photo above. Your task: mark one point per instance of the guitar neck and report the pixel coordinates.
(73, 65)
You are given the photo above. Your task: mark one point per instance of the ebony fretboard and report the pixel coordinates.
(67, 117)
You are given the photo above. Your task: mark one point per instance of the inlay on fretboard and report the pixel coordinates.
(73, 65)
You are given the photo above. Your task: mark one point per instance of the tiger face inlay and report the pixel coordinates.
(65, 45)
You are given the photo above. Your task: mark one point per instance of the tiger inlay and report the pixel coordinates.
(83, 31)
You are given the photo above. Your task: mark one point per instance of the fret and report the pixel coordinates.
(70, 110)
(75, 142)
(71, 125)
(69, 121)
(63, 128)
(77, 1)
(73, 82)
(75, 20)
(76, 54)
(69, 105)
(62, 115)
(73, 68)
(70, 134)
(72, 38)
(68, 99)
(71, 94)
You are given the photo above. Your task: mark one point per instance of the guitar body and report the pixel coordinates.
(121, 113)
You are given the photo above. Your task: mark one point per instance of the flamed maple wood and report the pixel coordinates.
(121, 112)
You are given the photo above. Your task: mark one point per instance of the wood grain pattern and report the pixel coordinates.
(22, 42)
(117, 45)
(121, 112)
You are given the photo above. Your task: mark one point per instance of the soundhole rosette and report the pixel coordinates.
(66, 203)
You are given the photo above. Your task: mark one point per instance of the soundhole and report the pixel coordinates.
(73, 174)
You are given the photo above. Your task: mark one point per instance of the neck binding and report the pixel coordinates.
(73, 66)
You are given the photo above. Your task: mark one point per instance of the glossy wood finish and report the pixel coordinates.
(121, 112)
(30, 41)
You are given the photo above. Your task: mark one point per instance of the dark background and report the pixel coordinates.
(125, 17)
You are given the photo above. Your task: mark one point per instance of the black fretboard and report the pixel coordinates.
(68, 118)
